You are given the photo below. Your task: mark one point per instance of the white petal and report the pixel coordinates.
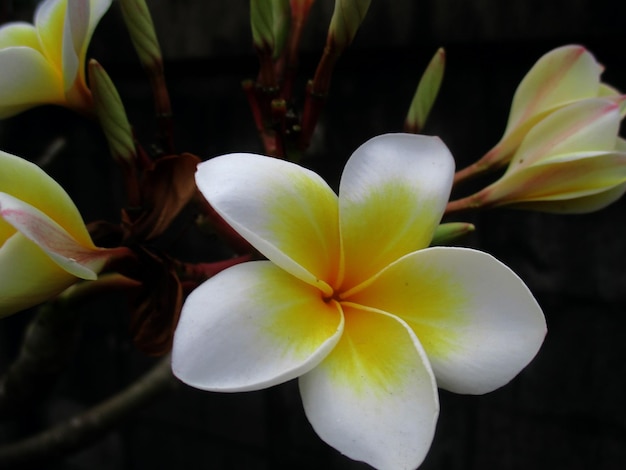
(286, 212)
(374, 397)
(74, 33)
(97, 10)
(250, 327)
(475, 318)
(77, 22)
(392, 195)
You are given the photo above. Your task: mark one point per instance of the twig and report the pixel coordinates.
(85, 428)
(49, 343)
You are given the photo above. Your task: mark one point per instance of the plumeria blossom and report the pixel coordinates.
(561, 77)
(570, 162)
(44, 244)
(352, 301)
(44, 63)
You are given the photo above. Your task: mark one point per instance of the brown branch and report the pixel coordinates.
(49, 343)
(83, 429)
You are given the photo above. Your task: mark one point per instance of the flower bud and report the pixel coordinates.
(446, 233)
(142, 34)
(347, 17)
(426, 93)
(110, 110)
(269, 20)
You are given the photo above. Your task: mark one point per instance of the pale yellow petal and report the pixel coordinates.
(559, 178)
(27, 80)
(585, 126)
(29, 183)
(607, 91)
(19, 34)
(561, 76)
(79, 260)
(97, 9)
(575, 205)
(50, 23)
(74, 31)
(28, 275)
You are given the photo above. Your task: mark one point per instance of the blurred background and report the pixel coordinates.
(567, 410)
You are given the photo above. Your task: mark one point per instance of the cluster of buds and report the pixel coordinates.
(276, 31)
(561, 142)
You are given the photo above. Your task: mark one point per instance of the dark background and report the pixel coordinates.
(565, 411)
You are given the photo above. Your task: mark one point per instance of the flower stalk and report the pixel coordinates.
(300, 10)
(468, 203)
(346, 20)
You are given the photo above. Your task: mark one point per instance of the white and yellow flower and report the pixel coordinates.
(44, 63)
(352, 300)
(44, 244)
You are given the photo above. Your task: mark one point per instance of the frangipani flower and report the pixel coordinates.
(351, 299)
(44, 63)
(562, 76)
(570, 162)
(44, 244)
